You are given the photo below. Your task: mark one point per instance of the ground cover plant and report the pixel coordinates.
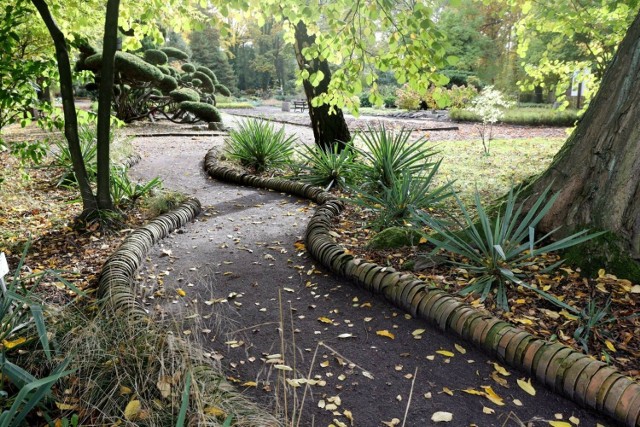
(525, 116)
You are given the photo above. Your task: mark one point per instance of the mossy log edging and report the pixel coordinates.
(577, 376)
(115, 286)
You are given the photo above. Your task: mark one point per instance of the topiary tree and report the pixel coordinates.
(185, 94)
(223, 90)
(156, 57)
(205, 112)
(175, 53)
(188, 68)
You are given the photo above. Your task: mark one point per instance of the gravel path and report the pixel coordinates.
(252, 293)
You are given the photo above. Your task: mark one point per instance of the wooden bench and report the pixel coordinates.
(299, 104)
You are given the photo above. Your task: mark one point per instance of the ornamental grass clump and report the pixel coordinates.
(328, 166)
(498, 251)
(257, 145)
(389, 154)
(405, 200)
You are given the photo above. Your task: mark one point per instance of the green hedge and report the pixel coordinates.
(172, 52)
(204, 112)
(156, 57)
(524, 116)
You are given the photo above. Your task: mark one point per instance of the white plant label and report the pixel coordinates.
(4, 267)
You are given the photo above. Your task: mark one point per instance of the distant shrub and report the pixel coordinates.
(461, 96)
(188, 68)
(205, 112)
(390, 101)
(364, 99)
(173, 52)
(407, 98)
(222, 90)
(156, 57)
(524, 116)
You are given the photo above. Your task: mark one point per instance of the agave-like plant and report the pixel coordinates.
(256, 144)
(498, 251)
(403, 200)
(327, 166)
(388, 154)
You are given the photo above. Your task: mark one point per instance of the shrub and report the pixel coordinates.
(407, 98)
(167, 84)
(498, 254)
(398, 203)
(328, 167)
(461, 96)
(209, 73)
(256, 144)
(156, 57)
(489, 106)
(184, 94)
(175, 53)
(207, 84)
(526, 116)
(205, 112)
(388, 154)
(390, 101)
(188, 68)
(364, 99)
(130, 66)
(222, 89)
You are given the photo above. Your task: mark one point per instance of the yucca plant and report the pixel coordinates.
(124, 191)
(256, 144)
(498, 251)
(327, 166)
(388, 154)
(89, 149)
(400, 202)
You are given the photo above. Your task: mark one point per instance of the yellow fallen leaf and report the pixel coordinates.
(418, 332)
(324, 364)
(132, 410)
(492, 396)
(526, 386)
(385, 333)
(348, 415)
(560, 424)
(523, 320)
(447, 390)
(601, 273)
(441, 416)
(501, 370)
(65, 406)
(574, 420)
(445, 353)
(422, 240)
(249, 384)
(474, 391)
(488, 410)
(517, 402)
(635, 289)
(181, 292)
(9, 344)
(124, 390)
(610, 346)
(215, 411)
(394, 422)
(500, 380)
(460, 349)
(324, 319)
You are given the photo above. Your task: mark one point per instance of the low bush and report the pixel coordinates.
(257, 145)
(327, 167)
(524, 116)
(238, 105)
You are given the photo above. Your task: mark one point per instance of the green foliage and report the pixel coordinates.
(461, 96)
(462, 78)
(89, 149)
(257, 145)
(205, 45)
(328, 167)
(162, 202)
(399, 203)
(205, 112)
(130, 66)
(240, 105)
(524, 116)
(498, 252)
(408, 99)
(175, 53)
(222, 90)
(207, 84)
(185, 94)
(124, 192)
(156, 57)
(167, 84)
(209, 73)
(188, 68)
(389, 154)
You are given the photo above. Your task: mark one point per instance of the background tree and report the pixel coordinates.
(206, 50)
(596, 171)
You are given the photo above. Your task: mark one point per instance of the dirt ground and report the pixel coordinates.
(238, 280)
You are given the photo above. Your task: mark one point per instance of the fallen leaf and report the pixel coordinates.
(249, 384)
(343, 336)
(447, 390)
(441, 416)
(517, 402)
(132, 410)
(324, 319)
(501, 370)
(559, 424)
(394, 422)
(216, 412)
(574, 420)
(487, 410)
(445, 353)
(9, 344)
(460, 349)
(418, 332)
(526, 386)
(181, 292)
(385, 333)
(492, 396)
(610, 346)
(474, 391)
(348, 415)
(635, 289)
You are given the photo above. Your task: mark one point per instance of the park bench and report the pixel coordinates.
(299, 104)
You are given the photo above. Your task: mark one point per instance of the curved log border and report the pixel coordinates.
(562, 369)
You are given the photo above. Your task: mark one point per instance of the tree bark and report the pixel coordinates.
(328, 129)
(597, 171)
(105, 94)
(89, 203)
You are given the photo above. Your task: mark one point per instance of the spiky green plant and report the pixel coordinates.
(256, 144)
(498, 251)
(327, 167)
(388, 154)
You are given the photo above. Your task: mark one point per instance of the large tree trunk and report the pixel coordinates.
(89, 203)
(104, 103)
(328, 129)
(597, 171)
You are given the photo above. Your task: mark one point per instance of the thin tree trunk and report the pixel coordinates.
(328, 129)
(104, 103)
(597, 171)
(89, 203)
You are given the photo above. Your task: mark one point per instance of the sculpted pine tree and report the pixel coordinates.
(597, 171)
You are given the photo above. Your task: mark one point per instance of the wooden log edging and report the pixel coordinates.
(115, 285)
(579, 377)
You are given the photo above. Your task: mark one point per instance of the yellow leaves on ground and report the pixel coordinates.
(132, 410)
(441, 417)
(501, 370)
(385, 333)
(9, 344)
(215, 411)
(610, 346)
(445, 353)
(181, 292)
(526, 386)
(460, 349)
(488, 393)
(560, 424)
(326, 320)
